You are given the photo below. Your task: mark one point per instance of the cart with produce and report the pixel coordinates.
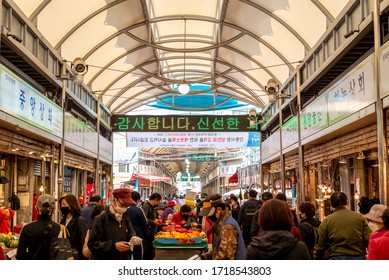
(8, 243)
(176, 243)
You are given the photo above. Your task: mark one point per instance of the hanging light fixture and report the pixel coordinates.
(342, 160)
(361, 156)
(184, 87)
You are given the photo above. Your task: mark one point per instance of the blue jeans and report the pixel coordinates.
(348, 257)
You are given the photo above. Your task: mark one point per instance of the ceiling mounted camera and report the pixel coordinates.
(272, 87)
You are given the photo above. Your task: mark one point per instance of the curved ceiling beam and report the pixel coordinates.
(145, 101)
(196, 109)
(164, 92)
(112, 100)
(280, 21)
(154, 46)
(164, 39)
(245, 55)
(224, 75)
(150, 75)
(85, 20)
(231, 25)
(107, 66)
(259, 39)
(239, 96)
(126, 100)
(183, 17)
(323, 9)
(112, 36)
(38, 10)
(175, 50)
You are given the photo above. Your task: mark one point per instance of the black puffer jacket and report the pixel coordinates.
(307, 229)
(105, 232)
(277, 245)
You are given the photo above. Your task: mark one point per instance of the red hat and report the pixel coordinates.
(124, 194)
(171, 203)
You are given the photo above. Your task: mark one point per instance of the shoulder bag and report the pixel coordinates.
(61, 248)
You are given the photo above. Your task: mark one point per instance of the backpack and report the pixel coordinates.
(15, 201)
(315, 230)
(248, 214)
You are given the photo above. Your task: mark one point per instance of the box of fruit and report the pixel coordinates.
(178, 235)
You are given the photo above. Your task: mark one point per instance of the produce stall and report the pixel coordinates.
(9, 243)
(176, 243)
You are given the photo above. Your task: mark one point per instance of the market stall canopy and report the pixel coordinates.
(153, 178)
(233, 179)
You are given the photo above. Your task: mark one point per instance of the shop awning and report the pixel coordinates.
(153, 178)
(233, 179)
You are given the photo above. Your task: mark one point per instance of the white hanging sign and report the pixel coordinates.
(352, 93)
(24, 102)
(271, 145)
(193, 139)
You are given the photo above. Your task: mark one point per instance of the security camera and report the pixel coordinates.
(271, 87)
(254, 118)
(252, 115)
(79, 66)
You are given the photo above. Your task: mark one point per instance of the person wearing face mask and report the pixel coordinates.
(227, 238)
(208, 221)
(374, 218)
(112, 236)
(184, 218)
(76, 225)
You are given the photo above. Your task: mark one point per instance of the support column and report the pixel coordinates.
(97, 169)
(261, 178)
(282, 158)
(301, 182)
(381, 123)
(52, 189)
(64, 77)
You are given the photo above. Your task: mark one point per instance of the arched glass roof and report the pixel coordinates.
(137, 50)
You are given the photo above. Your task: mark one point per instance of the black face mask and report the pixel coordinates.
(184, 216)
(212, 218)
(65, 210)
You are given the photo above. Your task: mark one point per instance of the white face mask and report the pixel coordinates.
(373, 226)
(120, 210)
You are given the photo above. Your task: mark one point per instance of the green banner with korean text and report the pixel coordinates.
(182, 123)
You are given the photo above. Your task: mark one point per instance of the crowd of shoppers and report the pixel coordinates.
(266, 228)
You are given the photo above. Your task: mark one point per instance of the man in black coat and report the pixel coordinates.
(112, 236)
(151, 215)
(87, 211)
(35, 238)
(138, 222)
(245, 217)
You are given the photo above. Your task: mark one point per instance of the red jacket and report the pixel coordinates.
(34, 210)
(5, 224)
(379, 248)
(178, 219)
